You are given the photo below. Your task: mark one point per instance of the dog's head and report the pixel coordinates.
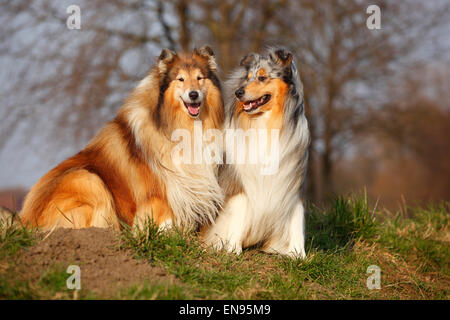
(264, 82)
(188, 82)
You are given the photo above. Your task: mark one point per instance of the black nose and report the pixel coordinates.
(193, 95)
(239, 92)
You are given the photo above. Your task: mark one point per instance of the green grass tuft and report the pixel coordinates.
(14, 236)
(340, 224)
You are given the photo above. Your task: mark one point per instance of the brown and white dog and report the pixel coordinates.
(264, 93)
(126, 173)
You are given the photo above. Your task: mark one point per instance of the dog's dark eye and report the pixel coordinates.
(181, 79)
(199, 78)
(262, 78)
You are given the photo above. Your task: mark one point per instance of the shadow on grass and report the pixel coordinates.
(339, 224)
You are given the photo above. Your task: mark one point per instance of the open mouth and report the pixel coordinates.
(249, 106)
(193, 108)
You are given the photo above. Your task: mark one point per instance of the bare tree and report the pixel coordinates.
(344, 66)
(67, 83)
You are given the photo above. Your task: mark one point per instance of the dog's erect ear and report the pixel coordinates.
(207, 53)
(165, 58)
(247, 60)
(282, 57)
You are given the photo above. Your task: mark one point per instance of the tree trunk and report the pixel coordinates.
(185, 34)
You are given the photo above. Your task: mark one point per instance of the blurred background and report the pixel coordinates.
(378, 101)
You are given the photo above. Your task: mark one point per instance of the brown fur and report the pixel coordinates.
(112, 179)
(278, 90)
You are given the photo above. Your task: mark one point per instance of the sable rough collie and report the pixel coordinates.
(265, 93)
(126, 174)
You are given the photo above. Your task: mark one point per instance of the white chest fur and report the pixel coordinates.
(270, 208)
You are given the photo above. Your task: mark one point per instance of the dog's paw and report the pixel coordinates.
(234, 248)
(220, 244)
(297, 254)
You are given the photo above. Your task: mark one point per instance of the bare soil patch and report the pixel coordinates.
(104, 268)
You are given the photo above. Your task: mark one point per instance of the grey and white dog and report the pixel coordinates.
(264, 93)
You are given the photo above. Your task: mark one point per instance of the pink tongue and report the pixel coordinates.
(249, 105)
(193, 110)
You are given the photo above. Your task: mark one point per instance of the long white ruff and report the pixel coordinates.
(192, 190)
(270, 209)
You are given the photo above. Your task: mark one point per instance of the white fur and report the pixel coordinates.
(192, 190)
(166, 225)
(270, 210)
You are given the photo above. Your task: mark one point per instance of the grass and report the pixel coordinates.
(424, 238)
(160, 291)
(343, 239)
(50, 285)
(340, 224)
(13, 237)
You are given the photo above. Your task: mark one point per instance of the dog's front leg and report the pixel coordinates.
(155, 210)
(290, 239)
(296, 246)
(230, 226)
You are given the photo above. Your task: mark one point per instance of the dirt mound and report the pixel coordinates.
(103, 267)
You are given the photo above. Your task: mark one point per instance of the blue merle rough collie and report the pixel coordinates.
(265, 92)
